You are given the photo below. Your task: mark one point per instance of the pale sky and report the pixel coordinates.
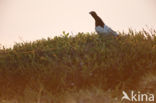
(29, 20)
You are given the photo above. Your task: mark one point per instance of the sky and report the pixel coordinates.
(29, 20)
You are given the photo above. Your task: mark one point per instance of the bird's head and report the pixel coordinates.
(93, 13)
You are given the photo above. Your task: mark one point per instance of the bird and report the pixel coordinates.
(100, 27)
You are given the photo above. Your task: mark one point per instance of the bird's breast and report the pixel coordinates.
(99, 29)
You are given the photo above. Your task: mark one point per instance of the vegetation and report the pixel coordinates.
(78, 69)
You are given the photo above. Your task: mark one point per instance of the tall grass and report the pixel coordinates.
(80, 62)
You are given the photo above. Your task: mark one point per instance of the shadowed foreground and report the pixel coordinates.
(86, 68)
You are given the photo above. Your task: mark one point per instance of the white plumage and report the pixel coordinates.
(105, 30)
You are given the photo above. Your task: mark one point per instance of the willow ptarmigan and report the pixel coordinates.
(100, 27)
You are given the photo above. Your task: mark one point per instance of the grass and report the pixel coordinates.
(85, 68)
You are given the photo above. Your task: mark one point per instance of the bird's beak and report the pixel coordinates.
(89, 12)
